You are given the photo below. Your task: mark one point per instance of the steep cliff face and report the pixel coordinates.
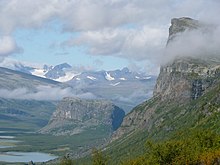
(179, 82)
(74, 116)
(186, 79)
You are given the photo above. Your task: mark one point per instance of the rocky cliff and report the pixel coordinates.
(180, 82)
(186, 79)
(74, 116)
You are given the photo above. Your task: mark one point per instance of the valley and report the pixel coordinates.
(109, 82)
(180, 123)
(42, 123)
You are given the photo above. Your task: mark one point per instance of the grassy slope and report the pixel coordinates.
(27, 115)
(178, 121)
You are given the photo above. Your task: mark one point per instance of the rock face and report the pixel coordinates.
(57, 71)
(179, 25)
(186, 79)
(74, 116)
(179, 82)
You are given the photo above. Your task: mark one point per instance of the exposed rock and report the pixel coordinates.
(74, 115)
(179, 81)
(57, 71)
(186, 79)
(179, 25)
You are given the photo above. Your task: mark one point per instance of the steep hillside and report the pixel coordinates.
(22, 104)
(25, 115)
(10, 79)
(89, 122)
(186, 97)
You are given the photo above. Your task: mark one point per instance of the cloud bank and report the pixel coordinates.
(201, 42)
(130, 29)
(42, 93)
(8, 46)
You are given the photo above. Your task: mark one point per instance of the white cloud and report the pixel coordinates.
(84, 15)
(194, 43)
(135, 44)
(137, 95)
(8, 46)
(42, 93)
(104, 25)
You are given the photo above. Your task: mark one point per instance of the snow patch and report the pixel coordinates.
(147, 78)
(115, 84)
(91, 77)
(109, 77)
(122, 78)
(67, 77)
(39, 72)
(137, 77)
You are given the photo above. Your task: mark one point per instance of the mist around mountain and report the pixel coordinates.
(180, 123)
(123, 87)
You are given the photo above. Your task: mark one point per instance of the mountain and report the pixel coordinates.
(91, 122)
(27, 100)
(185, 99)
(10, 79)
(62, 72)
(123, 87)
(75, 116)
(110, 77)
(25, 115)
(57, 71)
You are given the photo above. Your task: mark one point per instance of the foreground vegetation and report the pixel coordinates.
(202, 147)
(180, 133)
(196, 147)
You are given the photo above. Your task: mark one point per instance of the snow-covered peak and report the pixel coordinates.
(109, 77)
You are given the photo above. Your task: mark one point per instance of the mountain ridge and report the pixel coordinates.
(75, 115)
(186, 97)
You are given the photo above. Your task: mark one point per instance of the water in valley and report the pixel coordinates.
(9, 142)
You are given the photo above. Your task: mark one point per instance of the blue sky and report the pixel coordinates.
(94, 34)
(44, 46)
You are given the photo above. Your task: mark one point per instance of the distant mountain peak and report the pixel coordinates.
(57, 71)
(125, 70)
(62, 66)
